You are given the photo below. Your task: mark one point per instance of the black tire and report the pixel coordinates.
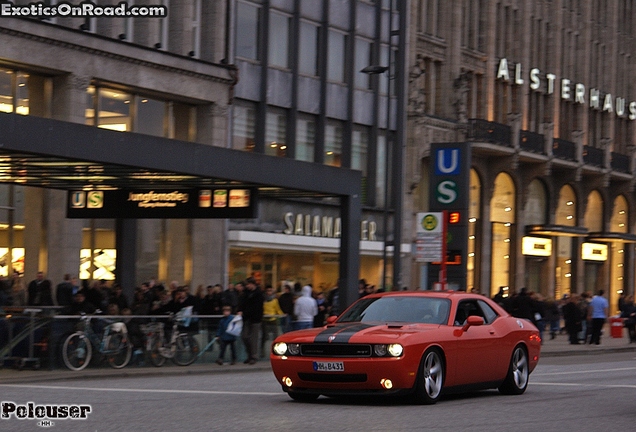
(77, 351)
(303, 397)
(187, 350)
(516, 380)
(119, 350)
(430, 380)
(155, 354)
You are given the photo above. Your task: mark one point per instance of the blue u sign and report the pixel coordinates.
(447, 161)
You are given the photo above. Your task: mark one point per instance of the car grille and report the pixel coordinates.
(335, 377)
(335, 350)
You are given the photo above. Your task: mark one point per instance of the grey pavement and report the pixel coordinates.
(550, 348)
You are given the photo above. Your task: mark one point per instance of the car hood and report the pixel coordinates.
(357, 332)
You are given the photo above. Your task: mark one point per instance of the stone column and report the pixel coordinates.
(210, 255)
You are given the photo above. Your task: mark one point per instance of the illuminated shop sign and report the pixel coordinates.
(594, 252)
(536, 246)
(568, 90)
(200, 203)
(324, 226)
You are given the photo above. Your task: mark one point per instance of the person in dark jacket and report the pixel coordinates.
(251, 308)
(39, 291)
(629, 315)
(64, 291)
(286, 303)
(573, 318)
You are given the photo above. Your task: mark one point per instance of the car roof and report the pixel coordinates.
(429, 293)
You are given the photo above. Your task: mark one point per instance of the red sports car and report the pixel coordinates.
(425, 343)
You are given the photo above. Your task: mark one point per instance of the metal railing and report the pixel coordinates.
(491, 132)
(34, 339)
(593, 156)
(620, 162)
(564, 149)
(532, 142)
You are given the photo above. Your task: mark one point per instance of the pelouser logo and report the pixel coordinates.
(32, 411)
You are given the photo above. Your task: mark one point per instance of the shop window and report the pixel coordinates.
(334, 134)
(305, 138)
(244, 127)
(114, 110)
(247, 21)
(103, 264)
(24, 93)
(275, 133)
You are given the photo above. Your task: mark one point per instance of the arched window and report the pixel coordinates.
(535, 210)
(502, 217)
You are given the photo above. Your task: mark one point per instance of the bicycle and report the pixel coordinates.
(114, 345)
(181, 347)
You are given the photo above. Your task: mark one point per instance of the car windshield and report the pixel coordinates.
(399, 309)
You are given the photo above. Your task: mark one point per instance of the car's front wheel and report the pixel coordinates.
(430, 380)
(516, 380)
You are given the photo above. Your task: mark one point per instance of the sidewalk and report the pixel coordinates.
(551, 348)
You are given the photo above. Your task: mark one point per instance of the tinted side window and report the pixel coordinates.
(489, 314)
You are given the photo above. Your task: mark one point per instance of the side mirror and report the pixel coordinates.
(473, 320)
(332, 319)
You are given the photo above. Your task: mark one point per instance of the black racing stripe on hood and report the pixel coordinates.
(342, 333)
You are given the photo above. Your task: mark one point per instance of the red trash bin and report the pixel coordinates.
(616, 327)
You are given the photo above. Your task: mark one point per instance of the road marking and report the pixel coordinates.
(208, 392)
(584, 385)
(584, 371)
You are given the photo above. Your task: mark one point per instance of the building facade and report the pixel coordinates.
(542, 92)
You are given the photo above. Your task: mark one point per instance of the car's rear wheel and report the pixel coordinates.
(303, 397)
(516, 380)
(430, 380)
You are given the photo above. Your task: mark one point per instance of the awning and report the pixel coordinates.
(556, 230)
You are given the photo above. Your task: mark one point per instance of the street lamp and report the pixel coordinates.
(377, 70)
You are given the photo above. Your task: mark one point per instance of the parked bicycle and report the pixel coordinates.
(114, 345)
(180, 346)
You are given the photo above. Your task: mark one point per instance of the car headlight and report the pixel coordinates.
(294, 349)
(395, 350)
(379, 350)
(280, 348)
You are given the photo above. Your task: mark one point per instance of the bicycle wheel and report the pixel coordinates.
(77, 351)
(155, 355)
(118, 351)
(187, 350)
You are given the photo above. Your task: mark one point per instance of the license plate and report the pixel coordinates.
(329, 366)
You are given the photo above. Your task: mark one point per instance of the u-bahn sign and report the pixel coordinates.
(202, 203)
(450, 192)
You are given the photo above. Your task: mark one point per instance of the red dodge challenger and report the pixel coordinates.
(423, 343)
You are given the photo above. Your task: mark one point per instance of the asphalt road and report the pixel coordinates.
(579, 393)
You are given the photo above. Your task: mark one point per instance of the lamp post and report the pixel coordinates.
(377, 70)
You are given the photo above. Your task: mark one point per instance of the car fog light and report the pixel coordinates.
(287, 381)
(386, 383)
(294, 349)
(379, 350)
(395, 350)
(280, 348)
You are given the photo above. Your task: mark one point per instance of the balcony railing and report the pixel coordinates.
(593, 156)
(532, 142)
(620, 162)
(563, 149)
(491, 132)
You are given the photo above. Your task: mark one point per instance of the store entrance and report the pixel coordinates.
(595, 276)
(537, 275)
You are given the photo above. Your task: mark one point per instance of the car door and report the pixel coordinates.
(476, 350)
